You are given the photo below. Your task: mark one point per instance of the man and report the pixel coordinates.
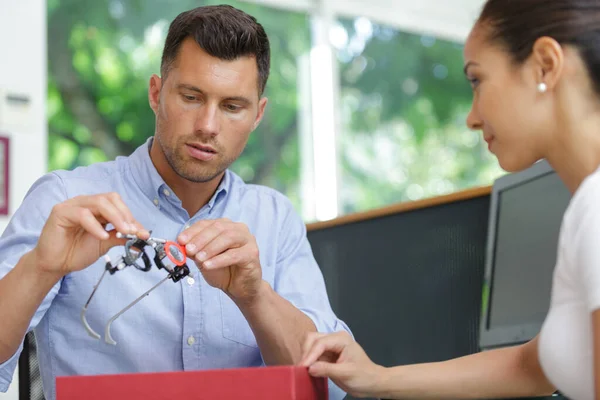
(241, 307)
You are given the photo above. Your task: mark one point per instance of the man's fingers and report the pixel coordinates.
(111, 242)
(187, 235)
(102, 208)
(115, 200)
(195, 244)
(226, 259)
(224, 244)
(135, 226)
(109, 208)
(88, 221)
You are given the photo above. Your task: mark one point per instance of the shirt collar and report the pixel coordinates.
(222, 189)
(152, 184)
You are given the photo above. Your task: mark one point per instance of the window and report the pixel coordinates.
(391, 106)
(403, 103)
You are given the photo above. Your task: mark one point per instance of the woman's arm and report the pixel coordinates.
(508, 372)
(502, 373)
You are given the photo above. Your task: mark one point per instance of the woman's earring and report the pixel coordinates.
(541, 87)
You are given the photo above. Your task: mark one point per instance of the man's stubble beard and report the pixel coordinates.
(200, 171)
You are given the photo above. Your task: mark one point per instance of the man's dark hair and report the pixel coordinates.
(223, 32)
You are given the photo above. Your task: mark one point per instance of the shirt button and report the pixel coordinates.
(166, 192)
(190, 280)
(155, 201)
(186, 226)
(191, 340)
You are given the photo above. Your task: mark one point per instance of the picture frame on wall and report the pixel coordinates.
(4, 173)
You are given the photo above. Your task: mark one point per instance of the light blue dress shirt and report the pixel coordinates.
(181, 326)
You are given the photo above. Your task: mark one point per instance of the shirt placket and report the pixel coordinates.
(192, 338)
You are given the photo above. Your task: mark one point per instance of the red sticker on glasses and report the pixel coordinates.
(176, 253)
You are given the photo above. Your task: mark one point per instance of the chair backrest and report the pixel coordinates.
(30, 381)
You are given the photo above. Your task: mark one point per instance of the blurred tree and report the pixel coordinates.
(404, 100)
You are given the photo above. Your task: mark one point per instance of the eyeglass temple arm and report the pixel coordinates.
(107, 336)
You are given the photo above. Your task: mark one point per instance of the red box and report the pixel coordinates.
(280, 383)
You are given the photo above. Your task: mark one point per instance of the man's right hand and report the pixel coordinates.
(75, 234)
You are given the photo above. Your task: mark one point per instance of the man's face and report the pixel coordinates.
(205, 110)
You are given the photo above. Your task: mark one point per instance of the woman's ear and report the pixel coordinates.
(548, 60)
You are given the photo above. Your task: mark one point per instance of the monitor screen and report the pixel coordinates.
(527, 210)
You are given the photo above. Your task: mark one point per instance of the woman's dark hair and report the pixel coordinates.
(517, 24)
(223, 32)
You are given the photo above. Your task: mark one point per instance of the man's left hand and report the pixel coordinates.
(227, 255)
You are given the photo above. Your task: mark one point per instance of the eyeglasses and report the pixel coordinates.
(135, 251)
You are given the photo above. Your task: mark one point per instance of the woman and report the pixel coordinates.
(534, 66)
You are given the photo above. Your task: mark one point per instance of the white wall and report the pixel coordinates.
(448, 19)
(23, 73)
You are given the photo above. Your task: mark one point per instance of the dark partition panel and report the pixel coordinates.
(409, 284)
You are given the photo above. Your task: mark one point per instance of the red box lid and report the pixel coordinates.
(280, 382)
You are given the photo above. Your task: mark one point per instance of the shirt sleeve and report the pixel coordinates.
(298, 279)
(585, 245)
(19, 237)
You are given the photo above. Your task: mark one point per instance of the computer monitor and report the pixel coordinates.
(526, 210)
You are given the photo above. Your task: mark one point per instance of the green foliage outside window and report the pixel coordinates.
(403, 100)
